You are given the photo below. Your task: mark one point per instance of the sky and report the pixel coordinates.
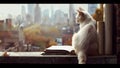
(6, 9)
(15, 9)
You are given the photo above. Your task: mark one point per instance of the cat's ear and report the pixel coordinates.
(81, 9)
(80, 12)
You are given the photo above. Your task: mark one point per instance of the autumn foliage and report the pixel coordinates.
(41, 35)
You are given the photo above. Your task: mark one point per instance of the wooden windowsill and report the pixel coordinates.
(39, 54)
(37, 58)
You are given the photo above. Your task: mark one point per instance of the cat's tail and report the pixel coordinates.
(81, 57)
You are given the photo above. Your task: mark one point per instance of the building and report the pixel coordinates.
(8, 24)
(37, 14)
(30, 9)
(52, 15)
(59, 19)
(46, 17)
(7, 38)
(23, 11)
(29, 19)
(66, 20)
(67, 34)
(71, 15)
(2, 25)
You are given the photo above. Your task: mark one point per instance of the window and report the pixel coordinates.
(34, 27)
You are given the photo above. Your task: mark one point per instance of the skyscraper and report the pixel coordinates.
(37, 14)
(72, 21)
(23, 10)
(52, 15)
(31, 9)
(71, 15)
(46, 17)
(51, 11)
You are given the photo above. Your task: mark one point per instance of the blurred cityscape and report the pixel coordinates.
(36, 30)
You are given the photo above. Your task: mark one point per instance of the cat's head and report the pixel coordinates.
(81, 15)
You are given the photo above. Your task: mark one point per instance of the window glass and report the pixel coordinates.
(35, 27)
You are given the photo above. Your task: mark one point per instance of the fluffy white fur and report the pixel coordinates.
(86, 38)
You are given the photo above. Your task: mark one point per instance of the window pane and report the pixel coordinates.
(35, 27)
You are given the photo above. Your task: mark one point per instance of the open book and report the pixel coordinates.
(59, 50)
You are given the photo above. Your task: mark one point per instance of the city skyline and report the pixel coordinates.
(15, 9)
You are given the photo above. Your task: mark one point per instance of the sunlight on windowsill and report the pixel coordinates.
(32, 54)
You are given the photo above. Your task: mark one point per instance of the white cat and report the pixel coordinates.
(85, 41)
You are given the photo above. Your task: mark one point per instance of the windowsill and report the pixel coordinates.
(33, 54)
(39, 54)
(23, 54)
(36, 57)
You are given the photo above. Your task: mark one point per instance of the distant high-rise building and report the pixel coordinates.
(37, 14)
(51, 11)
(31, 8)
(59, 17)
(72, 21)
(66, 19)
(29, 19)
(52, 15)
(92, 8)
(11, 17)
(23, 13)
(9, 23)
(46, 17)
(46, 12)
(71, 15)
(23, 10)
(2, 25)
